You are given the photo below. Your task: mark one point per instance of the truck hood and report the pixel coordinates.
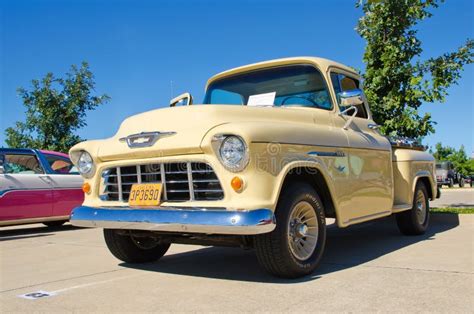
(189, 125)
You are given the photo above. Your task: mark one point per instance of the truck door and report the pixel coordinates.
(370, 158)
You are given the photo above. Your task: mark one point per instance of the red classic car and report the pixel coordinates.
(37, 186)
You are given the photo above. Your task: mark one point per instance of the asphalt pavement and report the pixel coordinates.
(369, 267)
(455, 197)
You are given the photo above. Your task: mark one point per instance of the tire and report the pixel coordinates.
(134, 250)
(275, 251)
(451, 182)
(416, 220)
(461, 182)
(56, 223)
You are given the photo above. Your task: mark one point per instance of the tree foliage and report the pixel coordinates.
(459, 158)
(55, 109)
(396, 81)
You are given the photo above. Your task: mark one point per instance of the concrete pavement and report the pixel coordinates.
(455, 197)
(370, 267)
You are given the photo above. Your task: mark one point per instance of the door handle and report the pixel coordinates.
(373, 126)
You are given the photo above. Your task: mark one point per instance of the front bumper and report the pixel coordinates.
(182, 220)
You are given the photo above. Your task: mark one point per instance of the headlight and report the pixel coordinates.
(233, 153)
(85, 164)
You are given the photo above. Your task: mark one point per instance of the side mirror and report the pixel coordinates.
(351, 98)
(182, 100)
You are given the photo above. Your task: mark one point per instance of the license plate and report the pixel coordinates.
(146, 194)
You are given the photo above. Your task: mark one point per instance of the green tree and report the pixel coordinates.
(396, 81)
(460, 160)
(458, 157)
(442, 152)
(55, 109)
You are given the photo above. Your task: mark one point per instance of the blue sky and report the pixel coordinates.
(136, 48)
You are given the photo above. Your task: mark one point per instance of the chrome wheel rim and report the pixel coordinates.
(303, 230)
(420, 207)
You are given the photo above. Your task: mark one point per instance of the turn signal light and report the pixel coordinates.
(86, 188)
(237, 183)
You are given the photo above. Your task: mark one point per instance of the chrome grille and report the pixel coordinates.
(182, 181)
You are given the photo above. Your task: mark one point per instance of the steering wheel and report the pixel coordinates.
(300, 97)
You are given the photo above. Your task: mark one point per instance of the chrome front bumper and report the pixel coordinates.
(182, 220)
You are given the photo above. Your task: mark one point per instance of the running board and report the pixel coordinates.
(400, 208)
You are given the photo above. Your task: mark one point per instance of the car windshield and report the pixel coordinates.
(295, 85)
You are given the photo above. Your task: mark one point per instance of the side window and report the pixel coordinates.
(22, 164)
(60, 165)
(343, 83)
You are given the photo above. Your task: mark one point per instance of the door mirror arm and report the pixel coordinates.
(349, 121)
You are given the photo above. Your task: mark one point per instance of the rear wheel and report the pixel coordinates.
(451, 182)
(132, 249)
(295, 247)
(415, 221)
(56, 223)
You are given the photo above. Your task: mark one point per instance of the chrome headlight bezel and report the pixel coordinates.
(224, 139)
(85, 164)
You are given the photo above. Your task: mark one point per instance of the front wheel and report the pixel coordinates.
(295, 247)
(461, 182)
(132, 249)
(415, 221)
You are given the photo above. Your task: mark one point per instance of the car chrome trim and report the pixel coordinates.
(144, 139)
(6, 191)
(182, 181)
(327, 154)
(26, 221)
(203, 220)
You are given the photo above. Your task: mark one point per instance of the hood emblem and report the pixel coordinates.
(144, 139)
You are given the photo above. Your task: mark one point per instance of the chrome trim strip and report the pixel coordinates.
(32, 220)
(206, 220)
(327, 154)
(119, 182)
(139, 174)
(330, 146)
(144, 139)
(6, 191)
(163, 181)
(190, 181)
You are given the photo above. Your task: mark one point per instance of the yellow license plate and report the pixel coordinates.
(146, 194)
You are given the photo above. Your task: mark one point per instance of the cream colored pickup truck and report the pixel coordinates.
(274, 149)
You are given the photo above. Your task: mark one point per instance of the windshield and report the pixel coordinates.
(295, 85)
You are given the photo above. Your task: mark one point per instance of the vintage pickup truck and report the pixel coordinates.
(274, 149)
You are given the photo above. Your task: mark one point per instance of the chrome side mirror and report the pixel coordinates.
(182, 100)
(351, 98)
